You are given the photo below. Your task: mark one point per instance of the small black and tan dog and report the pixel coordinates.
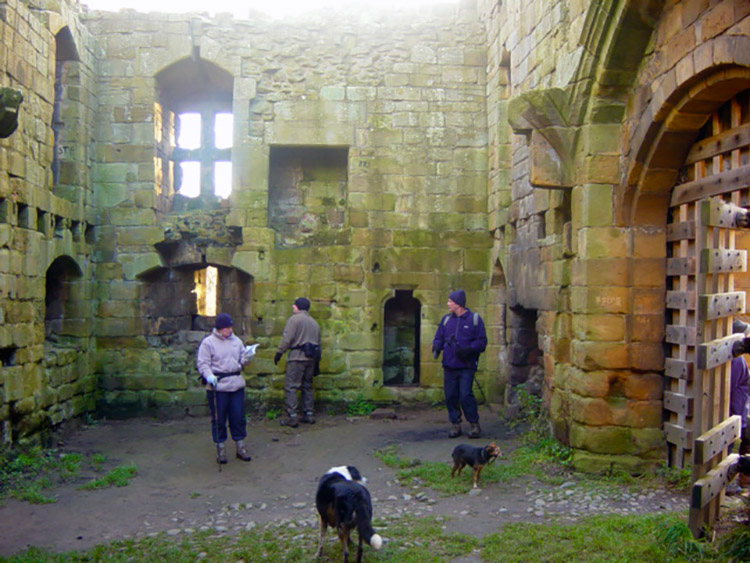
(344, 503)
(476, 458)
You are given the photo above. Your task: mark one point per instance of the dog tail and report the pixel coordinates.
(363, 508)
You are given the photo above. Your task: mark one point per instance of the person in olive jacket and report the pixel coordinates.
(300, 329)
(462, 338)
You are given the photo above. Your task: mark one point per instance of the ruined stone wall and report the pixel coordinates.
(45, 267)
(402, 93)
(589, 89)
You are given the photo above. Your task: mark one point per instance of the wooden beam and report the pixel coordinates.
(681, 266)
(710, 486)
(716, 352)
(723, 260)
(680, 335)
(720, 305)
(727, 141)
(679, 369)
(723, 214)
(717, 440)
(681, 404)
(678, 435)
(716, 184)
(681, 300)
(681, 231)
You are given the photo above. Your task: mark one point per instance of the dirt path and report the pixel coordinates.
(179, 488)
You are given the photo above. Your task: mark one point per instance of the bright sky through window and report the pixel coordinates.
(223, 130)
(190, 131)
(242, 8)
(223, 178)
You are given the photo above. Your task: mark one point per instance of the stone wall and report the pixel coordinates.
(45, 224)
(403, 205)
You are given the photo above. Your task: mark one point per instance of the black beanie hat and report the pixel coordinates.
(302, 303)
(223, 321)
(458, 297)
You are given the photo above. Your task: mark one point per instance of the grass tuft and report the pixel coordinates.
(118, 477)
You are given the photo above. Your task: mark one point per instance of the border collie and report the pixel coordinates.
(344, 503)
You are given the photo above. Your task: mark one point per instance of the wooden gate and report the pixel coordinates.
(702, 265)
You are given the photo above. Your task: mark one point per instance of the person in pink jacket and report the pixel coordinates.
(221, 356)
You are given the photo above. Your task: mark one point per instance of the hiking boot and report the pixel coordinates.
(475, 431)
(291, 422)
(455, 431)
(307, 419)
(242, 451)
(221, 453)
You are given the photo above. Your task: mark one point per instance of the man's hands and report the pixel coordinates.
(465, 352)
(277, 358)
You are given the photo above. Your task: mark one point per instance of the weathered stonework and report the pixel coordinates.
(522, 150)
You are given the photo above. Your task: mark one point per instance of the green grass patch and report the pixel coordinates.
(117, 477)
(360, 407)
(620, 539)
(26, 473)
(273, 414)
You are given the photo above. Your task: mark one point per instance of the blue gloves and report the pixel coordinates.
(211, 380)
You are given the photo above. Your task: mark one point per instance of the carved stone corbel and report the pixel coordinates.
(542, 114)
(10, 101)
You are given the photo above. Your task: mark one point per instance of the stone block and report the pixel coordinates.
(648, 328)
(584, 383)
(603, 440)
(139, 236)
(593, 463)
(599, 327)
(647, 356)
(591, 412)
(600, 300)
(603, 242)
(600, 355)
(134, 265)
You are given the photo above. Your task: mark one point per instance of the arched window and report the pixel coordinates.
(67, 77)
(194, 132)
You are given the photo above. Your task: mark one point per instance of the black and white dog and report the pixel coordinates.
(344, 503)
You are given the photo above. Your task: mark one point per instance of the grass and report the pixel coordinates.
(360, 407)
(273, 414)
(620, 539)
(30, 475)
(117, 477)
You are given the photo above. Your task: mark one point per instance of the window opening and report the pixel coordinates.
(189, 136)
(194, 133)
(401, 339)
(206, 284)
(65, 54)
(62, 299)
(223, 130)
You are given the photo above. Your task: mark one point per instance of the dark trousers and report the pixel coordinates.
(227, 406)
(299, 376)
(458, 394)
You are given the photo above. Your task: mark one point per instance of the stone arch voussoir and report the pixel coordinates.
(669, 126)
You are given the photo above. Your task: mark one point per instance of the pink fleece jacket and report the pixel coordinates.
(217, 354)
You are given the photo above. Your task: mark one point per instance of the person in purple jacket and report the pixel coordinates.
(738, 389)
(221, 356)
(462, 338)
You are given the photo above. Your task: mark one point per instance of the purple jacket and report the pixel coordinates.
(738, 389)
(460, 340)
